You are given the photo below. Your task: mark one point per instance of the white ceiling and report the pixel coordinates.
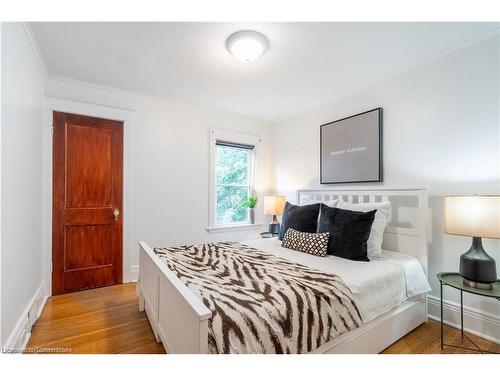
(305, 65)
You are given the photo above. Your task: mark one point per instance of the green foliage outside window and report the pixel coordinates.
(232, 184)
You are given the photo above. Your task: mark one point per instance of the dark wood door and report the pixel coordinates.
(87, 202)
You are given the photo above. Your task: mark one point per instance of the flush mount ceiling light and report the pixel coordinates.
(247, 45)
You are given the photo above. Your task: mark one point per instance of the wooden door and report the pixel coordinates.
(87, 202)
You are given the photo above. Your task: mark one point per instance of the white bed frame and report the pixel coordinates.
(180, 320)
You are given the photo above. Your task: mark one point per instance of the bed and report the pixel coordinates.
(389, 292)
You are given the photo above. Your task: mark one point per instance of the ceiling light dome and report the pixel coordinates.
(247, 45)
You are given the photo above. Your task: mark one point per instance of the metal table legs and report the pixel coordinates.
(442, 326)
(443, 344)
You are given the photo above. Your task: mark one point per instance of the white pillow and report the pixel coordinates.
(330, 203)
(378, 226)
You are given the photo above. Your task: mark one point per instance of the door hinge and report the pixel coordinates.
(51, 266)
(52, 129)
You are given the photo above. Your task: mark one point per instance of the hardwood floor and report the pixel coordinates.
(104, 320)
(426, 339)
(107, 320)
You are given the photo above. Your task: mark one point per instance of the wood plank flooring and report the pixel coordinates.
(426, 339)
(107, 320)
(104, 320)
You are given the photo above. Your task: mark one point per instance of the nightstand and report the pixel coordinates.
(268, 235)
(456, 281)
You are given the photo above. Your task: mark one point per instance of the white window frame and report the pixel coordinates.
(233, 137)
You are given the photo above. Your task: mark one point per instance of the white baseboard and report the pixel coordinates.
(476, 322)
(134, 273)
(20, 335)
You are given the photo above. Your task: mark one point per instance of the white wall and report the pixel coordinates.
(441, 130)
(21, 153)
(166, 162)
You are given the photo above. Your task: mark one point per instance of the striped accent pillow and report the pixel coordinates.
(310, 243)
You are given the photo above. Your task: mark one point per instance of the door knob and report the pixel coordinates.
(116, 213)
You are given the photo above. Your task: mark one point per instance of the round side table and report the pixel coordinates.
(456, 281)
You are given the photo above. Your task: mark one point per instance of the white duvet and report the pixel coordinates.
(378, 285)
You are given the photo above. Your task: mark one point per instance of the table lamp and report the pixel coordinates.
(475, 216)
(273, 205)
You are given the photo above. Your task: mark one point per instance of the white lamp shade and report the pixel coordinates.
(474, 216)
(273, 205)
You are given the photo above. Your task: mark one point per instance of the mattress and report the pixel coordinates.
(378, 285)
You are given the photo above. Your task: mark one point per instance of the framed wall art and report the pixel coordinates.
(351, 149)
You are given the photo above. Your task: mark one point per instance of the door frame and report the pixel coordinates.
(130, 271)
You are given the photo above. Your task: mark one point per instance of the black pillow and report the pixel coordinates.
(349, 231)
(301, 218)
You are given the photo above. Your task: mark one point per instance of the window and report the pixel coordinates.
(232, 178)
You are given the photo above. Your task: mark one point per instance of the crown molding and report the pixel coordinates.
(88, 84)
(119, 91)
(36, 48)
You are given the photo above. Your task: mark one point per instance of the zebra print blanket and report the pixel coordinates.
(261, 303)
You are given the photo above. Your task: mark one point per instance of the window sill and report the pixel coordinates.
(232, 228)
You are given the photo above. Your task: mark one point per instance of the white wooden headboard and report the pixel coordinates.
(408, 237)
